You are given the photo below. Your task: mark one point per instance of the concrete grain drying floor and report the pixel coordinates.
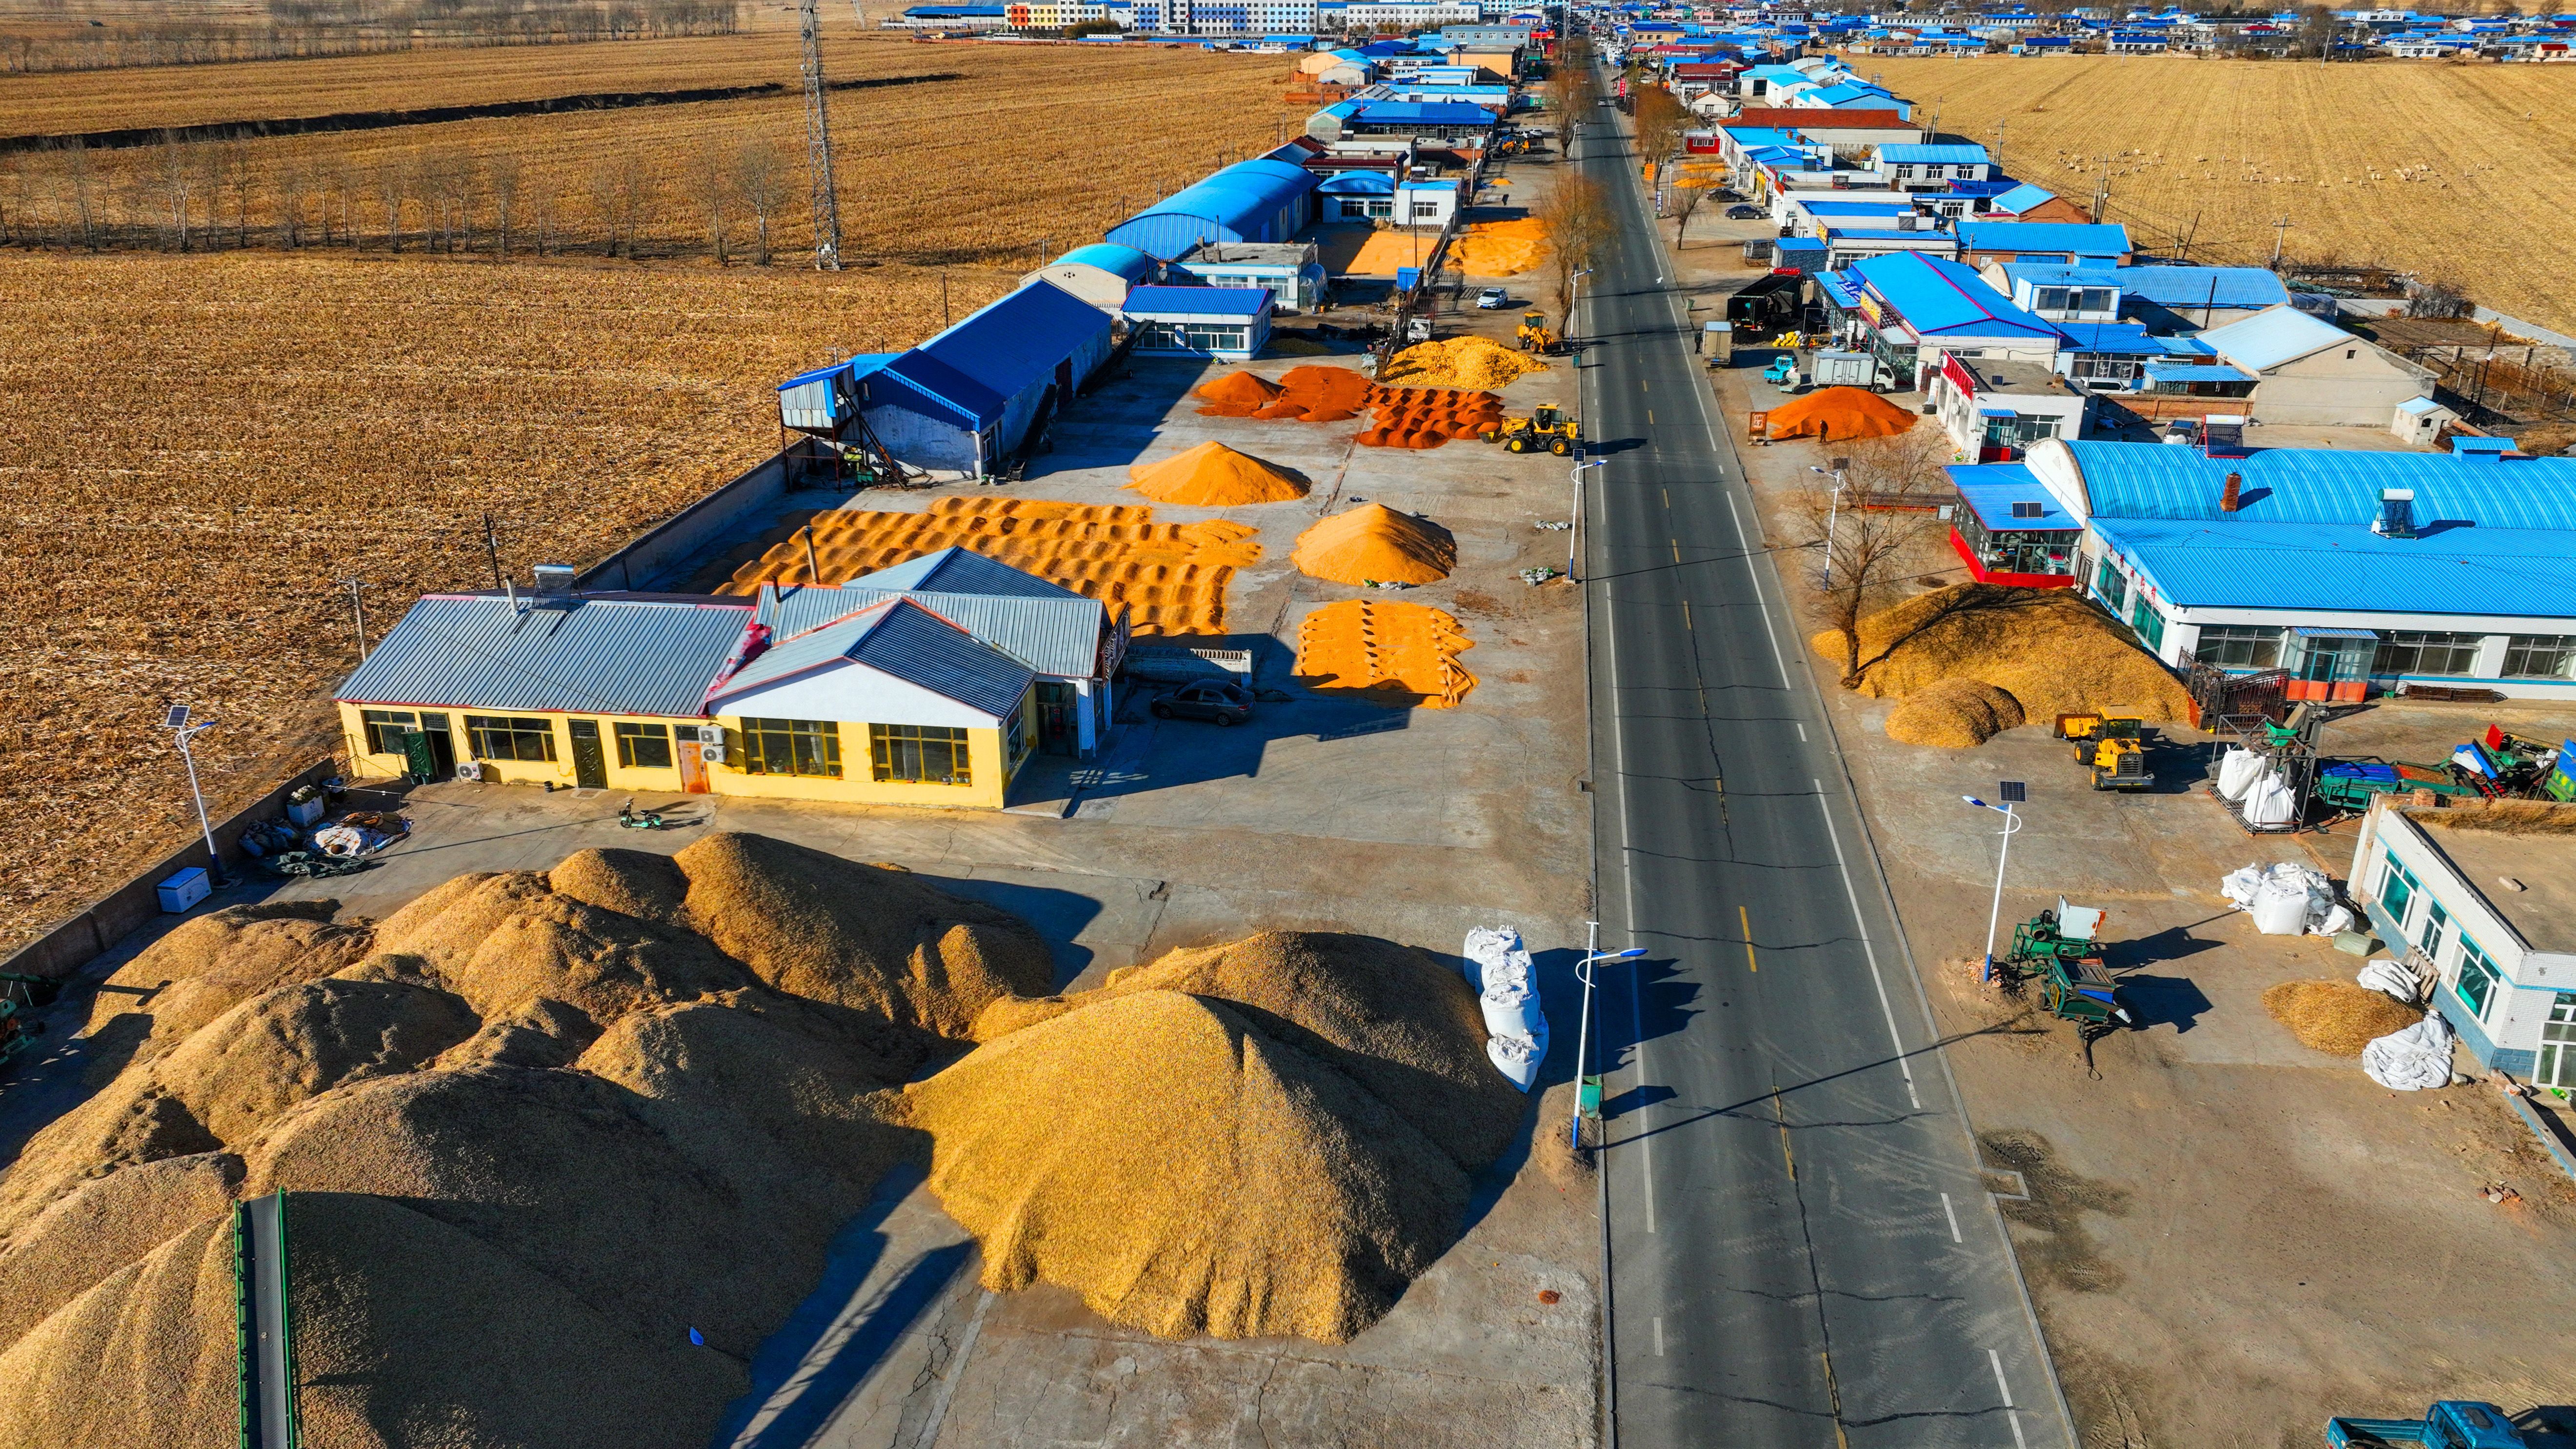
(1322, 814)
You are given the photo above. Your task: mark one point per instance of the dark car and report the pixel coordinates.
(1743, 213)
(1208, 699)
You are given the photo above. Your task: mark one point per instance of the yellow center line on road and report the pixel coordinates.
(1650, 416)
(1677, 550)
(1668, 497)
(1686, 623)
(1746, 920)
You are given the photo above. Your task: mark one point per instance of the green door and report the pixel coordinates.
(418, 761)
(589, 766)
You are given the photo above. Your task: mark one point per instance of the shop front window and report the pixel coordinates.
(2108, 583)
(2557, 1064)
(918, 755)
(791, 747)
(2539, 656)
(644, 746)
(2415, 651)
(2236, 646)
(504, 737)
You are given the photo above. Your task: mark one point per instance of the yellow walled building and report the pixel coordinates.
(884, 702)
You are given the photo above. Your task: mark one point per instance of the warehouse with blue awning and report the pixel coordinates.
(1261, 200)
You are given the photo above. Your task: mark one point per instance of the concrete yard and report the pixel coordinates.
(1323, 813)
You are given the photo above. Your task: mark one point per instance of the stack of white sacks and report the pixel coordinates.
(2256, 789)
(2288, 899)
(1498, 966)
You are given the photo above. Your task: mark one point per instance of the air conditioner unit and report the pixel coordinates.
(469, 770)
(711, 734)
(712, 754)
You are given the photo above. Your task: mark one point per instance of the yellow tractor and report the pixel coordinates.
(2109, 743)
(1547, 427)
(1535, 335)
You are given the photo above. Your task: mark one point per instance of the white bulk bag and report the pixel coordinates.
(2238, 769)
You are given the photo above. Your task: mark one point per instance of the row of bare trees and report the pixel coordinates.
(298, 29)
(720, 195)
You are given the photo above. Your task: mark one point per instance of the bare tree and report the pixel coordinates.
(711, 186)
(501, 177)
(176, 173)
(1887, 510)
(621, 191)
(292, 185)
(389, 184)
(228, 167)
(760, 179)
(1579, 223)
(1688, 196)
(1572, 91)
(1660, 120)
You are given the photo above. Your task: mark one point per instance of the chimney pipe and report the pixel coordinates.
(2230, 501)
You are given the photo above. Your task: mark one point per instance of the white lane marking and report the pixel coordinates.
(2010, 1413)
(1659, 1335)
(1952, 1214)
(1627, 870)
(1802, 732)
(1862, 926)
(1746, 550)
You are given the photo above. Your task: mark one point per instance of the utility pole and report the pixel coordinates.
(2280, 235)
(358, 609)
(826, 199)
(2102, 191)
(492, 549)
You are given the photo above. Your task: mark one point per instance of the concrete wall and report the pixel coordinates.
(922, 442)
(75, 942)
(2328, 389)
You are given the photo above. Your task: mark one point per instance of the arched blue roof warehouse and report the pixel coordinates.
(1251, 201)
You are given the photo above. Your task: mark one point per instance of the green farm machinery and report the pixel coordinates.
(2061, 952)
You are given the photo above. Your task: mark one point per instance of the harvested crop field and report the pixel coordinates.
(919, 156)
(198, 447)
(2370, 163)
(545, 1130)
(1388, 653)
(1171, 576)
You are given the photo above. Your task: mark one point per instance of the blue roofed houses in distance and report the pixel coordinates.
(2354, 570)
(2082, 244)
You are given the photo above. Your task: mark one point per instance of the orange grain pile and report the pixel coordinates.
(1426, 417)
(1389, 653)
(1839, 414)
(1171, 576)
(1375, 544)
(1237, 390)
(1213, 475)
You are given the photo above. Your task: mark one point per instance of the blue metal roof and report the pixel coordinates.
(2164, 286)
(2122, 338)
(900, 639)
(2345, 566)
(1359, 183)
(1423, 113)
(2073, 238)
(1109, 257)
(1938, 297)
(2327, 486)
(1196, 301)
(1991, 489)
(2164, 371)
(581, 655)
(1250, 201)
(1936, 155)
(1012, 344)
(1054, 635)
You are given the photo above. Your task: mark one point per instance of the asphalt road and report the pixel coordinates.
(1803, 1251)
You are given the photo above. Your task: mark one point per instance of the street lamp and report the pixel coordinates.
(1833, 514)
(2013, 795)
(1574, 524)
(1583, 1033)
(181, 732)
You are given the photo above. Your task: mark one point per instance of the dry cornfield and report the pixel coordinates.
(959, 154)
(197, 448)
(2453, 172)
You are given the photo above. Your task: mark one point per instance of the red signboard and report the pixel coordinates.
(1960, 377)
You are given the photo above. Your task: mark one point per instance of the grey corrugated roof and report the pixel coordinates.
(901, 639)
(580, 655)
(1058, 636)
(955, 570)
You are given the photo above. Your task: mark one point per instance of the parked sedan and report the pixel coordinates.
(1744, 213)
(1492, 299)
(1207, 699)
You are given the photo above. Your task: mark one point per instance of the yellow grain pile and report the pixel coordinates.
(1403, 654)
(1469, 362)
(1373, 544)
(1264, 1138)
(1386, 252)
(537, 1125)
(1500, 248)
(2337, 1017)
(1212, 475)
(1171, 576)
(1955, 714)
(2052, 652)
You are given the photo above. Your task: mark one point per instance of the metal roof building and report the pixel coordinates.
(898, 639)
(2065, 241)
(1100, 273)
(1261, 200)
(581, 654)
(2268, 339)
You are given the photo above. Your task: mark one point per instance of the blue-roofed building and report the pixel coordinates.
(1230, 324)
(1911, 309)
(1293, 272)
(2354, 570)
(1101, 273)
(1447, 120)
(2048, 241)
(1266, 199)
(2008, 530)
(966, 399)
(2162, 299)
(1356, 196)
(1931, 167)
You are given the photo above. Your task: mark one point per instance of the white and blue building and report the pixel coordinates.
(1229, 324)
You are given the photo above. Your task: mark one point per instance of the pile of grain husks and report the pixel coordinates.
(2337, 1017)
(1262, 1138)
(1955, 714)
(537, 1126)
(2052, 652)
